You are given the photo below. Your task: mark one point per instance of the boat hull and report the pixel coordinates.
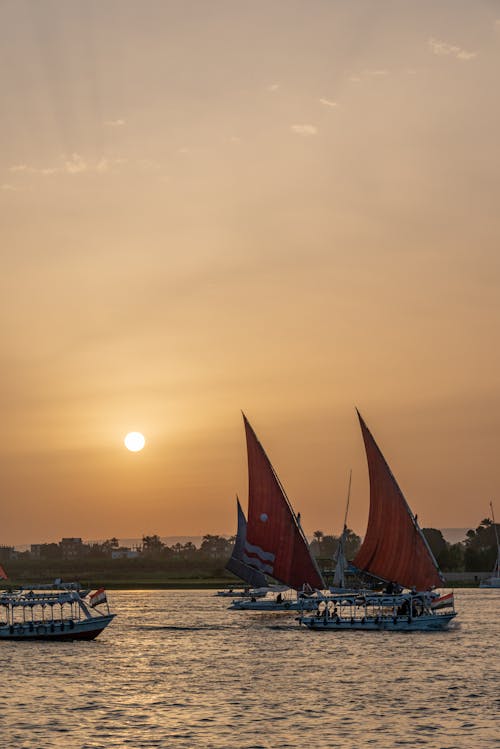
(274, 605)
(491, 582)
(425, 623)
(87, 629)
(237, 594)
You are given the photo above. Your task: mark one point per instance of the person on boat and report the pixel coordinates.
(417, 606)
(404, 609)
(279, 598)
(389, 588)
(306, 591)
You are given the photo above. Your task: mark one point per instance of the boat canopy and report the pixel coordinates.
(37, 599)
(236, 563)
(394, 547)
(275, 542)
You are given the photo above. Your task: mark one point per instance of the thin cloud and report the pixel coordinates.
(370, 73)
(443, 49)
(114, 123)
(273, 87)
(74, 164)
(8, 188)
(305, 130)
(328, 102)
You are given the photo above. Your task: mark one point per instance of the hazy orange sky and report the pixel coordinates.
(285, 207)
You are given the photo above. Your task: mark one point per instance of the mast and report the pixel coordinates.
(348, 500)
(340, 558)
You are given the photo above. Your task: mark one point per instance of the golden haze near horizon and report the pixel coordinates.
(287, 208)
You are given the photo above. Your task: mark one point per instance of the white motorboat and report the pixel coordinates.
(244, 593)
(278, 598)
(491, 582)
(405, 612)
(53, 614)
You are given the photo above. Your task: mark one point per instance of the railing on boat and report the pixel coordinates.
(373, 606)
(20, 607)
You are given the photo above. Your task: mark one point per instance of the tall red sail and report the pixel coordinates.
(394, 547)
(275, 543)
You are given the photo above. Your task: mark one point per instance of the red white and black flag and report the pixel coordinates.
(443, 601)
(98, 597)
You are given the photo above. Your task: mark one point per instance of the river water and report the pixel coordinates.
(176, 669)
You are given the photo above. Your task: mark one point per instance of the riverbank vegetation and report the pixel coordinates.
(153, 564)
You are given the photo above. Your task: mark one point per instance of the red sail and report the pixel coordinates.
(394, 547)
(275, 543)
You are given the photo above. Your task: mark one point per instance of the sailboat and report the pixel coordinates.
(396, 552)
(394, 547)
(256, 582)
(340, 560)
(494, 580)
(275, 542)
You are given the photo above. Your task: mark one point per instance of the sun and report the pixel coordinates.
(134, 441)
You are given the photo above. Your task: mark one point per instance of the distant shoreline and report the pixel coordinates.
(184, 584)
(451, 535)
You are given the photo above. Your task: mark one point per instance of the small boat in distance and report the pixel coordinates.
(53, 614)
(275, 543)
(494, 580)
(242, 593)
(285, 599)
(395, 552)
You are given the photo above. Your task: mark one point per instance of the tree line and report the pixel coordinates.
(476, 553)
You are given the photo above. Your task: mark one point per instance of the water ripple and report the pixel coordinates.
(177, 669)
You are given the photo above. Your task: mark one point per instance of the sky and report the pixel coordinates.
(285, 207)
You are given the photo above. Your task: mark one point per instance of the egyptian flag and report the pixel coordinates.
(98, 597)
(3, 574)
(443, 602)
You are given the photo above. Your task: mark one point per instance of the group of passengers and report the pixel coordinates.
(393, 588)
